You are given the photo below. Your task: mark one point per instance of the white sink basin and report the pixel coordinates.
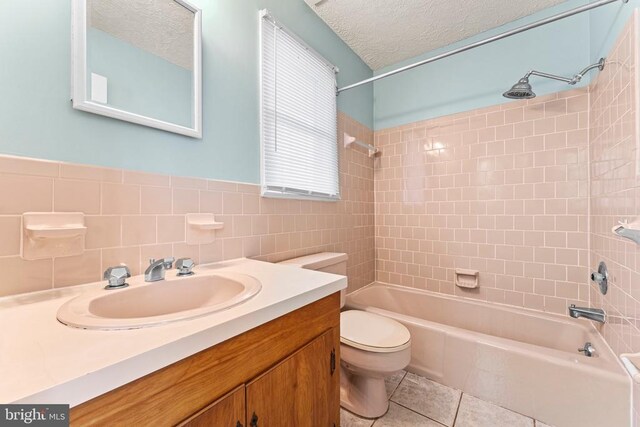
(150, 304)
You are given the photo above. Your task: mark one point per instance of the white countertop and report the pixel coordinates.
(44, 361)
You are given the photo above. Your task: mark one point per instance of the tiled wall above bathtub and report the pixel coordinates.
(615, 189)
(501, 190)
(133, 216)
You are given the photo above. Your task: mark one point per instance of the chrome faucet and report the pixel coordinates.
(157, 268)
(588, 313)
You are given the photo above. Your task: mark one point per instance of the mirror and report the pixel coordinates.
(139, 61)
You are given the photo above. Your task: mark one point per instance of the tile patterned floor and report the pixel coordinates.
(415, 401)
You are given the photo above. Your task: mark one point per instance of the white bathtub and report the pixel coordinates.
(520, 359)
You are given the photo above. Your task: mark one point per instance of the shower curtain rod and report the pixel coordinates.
(506, 34)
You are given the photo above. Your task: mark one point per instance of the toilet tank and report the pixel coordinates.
(329, 262)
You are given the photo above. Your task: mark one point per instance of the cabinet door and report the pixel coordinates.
(303, 390)
(228, 411)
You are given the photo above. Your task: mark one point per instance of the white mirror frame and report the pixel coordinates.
(79, 75)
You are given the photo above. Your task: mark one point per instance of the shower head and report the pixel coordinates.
(523, 90)
(520, 90)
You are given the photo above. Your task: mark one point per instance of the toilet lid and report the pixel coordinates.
(372, 332)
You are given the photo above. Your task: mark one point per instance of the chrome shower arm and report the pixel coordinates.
(549, 76)
(599, 65)
(523, 89)
(572, 81)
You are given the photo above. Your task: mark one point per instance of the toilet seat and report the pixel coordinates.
(372, 332)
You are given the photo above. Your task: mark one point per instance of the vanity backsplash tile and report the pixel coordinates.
(133, 216)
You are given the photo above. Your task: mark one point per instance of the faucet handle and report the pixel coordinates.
(588, 349)
(117, 277)
(185, 266)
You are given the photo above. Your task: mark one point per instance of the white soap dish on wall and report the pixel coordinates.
(201, 228)
(467, 278)
(52, 234)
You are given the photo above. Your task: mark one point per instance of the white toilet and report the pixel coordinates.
(372, 347)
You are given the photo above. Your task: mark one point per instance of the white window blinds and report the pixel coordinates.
(298, 117)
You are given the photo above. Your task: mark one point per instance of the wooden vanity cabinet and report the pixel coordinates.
(303, 390)
(282, 373)
(229, 411)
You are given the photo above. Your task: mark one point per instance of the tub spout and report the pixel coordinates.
(588, 313)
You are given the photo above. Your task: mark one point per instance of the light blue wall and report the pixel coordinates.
(606, 24)
(477, 78)
(139, 81)
(36, 118)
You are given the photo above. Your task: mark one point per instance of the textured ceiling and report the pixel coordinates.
(383, 32)
(162, 27)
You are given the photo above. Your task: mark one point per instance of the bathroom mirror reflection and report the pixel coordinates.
(139, 61)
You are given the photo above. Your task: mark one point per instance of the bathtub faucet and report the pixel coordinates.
(589, 313)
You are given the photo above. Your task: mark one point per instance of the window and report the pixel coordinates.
(298, 117)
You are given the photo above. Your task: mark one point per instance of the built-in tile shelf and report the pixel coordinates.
(52, 234)
(46, 232)
(201, 228)
(204, 222)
